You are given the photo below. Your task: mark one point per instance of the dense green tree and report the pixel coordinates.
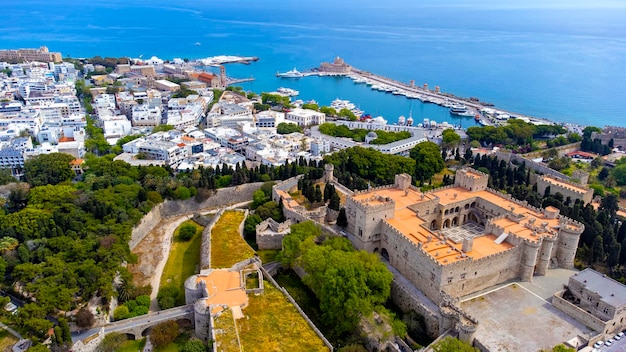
(167, 297)
(328, 111)
(48, 169)
(451, 344)
(342, 220)
(428, 160)
(186, 232)
(162, 128)
(194, 345)
(334, 203)
(111, 342)
(287, 128)
(164, 333)
(84, 318)
(450, 139)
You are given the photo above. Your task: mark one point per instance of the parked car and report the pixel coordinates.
(598, 344)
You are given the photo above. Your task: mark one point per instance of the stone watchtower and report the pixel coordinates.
(472, 180)
(569, 235)
(328, 172)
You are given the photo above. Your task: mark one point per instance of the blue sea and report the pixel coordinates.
(556, 59)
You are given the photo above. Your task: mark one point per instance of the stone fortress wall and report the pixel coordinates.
(567, 189)
(172, 208)
(443, 282)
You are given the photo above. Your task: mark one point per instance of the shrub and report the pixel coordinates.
(167, 297)
(163, 334)
(186, 232)
(84, 318)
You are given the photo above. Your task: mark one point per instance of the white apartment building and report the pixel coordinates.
(305, 117)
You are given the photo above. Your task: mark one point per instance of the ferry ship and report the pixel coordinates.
(290, 74)
(460, 110)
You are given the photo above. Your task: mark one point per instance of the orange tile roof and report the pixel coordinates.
(408, 223)
(66, 139)
(77, 162)
(224, 288)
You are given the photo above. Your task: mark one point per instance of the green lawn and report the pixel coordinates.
(270, 323)
(227, 245)
(132, 345)
(183, 259)
(267, 255)
(6, 340)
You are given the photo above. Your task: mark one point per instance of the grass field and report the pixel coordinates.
(267, 255)
(271, 323)
(182, 260)
(132, 345)
(6, 340)
(227, 245)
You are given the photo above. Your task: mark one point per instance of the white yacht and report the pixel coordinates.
(290, 74)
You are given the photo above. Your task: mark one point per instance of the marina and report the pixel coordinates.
(484, 113)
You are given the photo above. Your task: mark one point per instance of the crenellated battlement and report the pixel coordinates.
(357, 192)
(381, 202)
(565, 184)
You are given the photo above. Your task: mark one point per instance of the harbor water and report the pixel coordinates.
(561, 60)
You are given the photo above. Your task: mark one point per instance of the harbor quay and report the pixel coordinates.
(484, 113)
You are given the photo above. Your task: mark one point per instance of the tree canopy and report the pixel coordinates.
(428, 160)
(451, 344)
(48, 169)
(288, 127)
(348, 283)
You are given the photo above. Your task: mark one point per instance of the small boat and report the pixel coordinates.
(401, 120)
(288, 91)
(290, 74)
(198, 44)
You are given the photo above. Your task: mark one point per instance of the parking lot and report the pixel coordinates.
(617, 346)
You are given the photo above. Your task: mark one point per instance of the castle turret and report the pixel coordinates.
(569, 235)
(328, 172)
(545, 254)
(467, 330)
(530, 249)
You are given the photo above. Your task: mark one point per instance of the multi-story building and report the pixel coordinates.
(165, 85)
(269, 119)
(595, 300)
(158, 147)
(305, 117)
(146, 115)
(20, 55)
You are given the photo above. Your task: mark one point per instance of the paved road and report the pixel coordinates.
(164, 315)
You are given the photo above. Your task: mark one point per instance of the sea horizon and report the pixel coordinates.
(561, 61)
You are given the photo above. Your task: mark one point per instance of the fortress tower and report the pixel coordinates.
(569, 235)
(328, 172)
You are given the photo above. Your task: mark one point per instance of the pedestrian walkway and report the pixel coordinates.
(13, 332)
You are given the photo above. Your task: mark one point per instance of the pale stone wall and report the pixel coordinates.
(270, 241)
(469, 276)
(579, 314)
(403, 298)
(572, 190)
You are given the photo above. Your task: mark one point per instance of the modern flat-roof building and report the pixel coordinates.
(166, 86)
(305, 117)
(595, 300)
